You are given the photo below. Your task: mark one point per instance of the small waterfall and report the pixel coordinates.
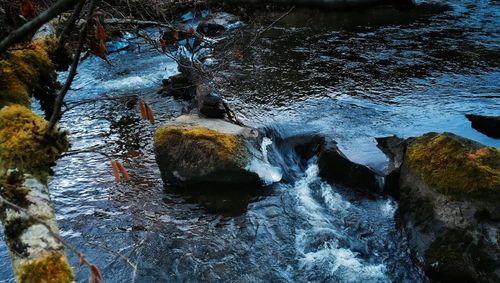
(322, 241)
(268, 173)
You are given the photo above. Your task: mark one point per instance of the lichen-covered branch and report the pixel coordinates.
(26, 156)
(36, 252)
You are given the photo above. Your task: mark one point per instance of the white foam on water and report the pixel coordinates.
(388, 208)
(317, 243)
(334, 200)
(267, 173)
(127, 82)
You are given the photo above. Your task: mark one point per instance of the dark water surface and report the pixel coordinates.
(351, 75)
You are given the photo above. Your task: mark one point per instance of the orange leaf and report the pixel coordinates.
(95, 274)
(150, 114)
(176, 35)
(237, 53)
(115, 171)
(27, 9)
(123, 170)
(82, 259)
(142, 107)
(99, 32)
(99, 49)
(163, 45)
(191, 31)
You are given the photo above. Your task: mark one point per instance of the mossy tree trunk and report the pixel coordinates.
(26, 155)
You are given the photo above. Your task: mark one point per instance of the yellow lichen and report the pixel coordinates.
(227, 144)
(25, 71)
(53, 268)
(453, 165)
(24, 144)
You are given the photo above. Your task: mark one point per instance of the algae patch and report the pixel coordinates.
(456, 166)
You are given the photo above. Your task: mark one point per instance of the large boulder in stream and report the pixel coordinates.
(193, 150)
(449, 192)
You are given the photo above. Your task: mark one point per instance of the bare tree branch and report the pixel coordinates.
(71, 21)
(72, 72)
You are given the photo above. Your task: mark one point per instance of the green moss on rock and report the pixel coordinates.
(24, 144)
(53, 268)
(222, 145)
(189, 155)
(454, 165)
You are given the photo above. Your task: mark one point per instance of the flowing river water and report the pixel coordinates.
(351, 76)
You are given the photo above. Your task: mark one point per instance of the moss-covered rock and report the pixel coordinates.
(454, 165)
(192, 150)
(24, 144)
(449, 195)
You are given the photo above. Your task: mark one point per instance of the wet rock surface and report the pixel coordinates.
(193, 150)
(335, 167)
(450, 224)
(178, 86)
(488, 125)
(217, 23)
(210, 104)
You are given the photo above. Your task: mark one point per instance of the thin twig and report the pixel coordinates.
(72, 73)
(71, 21)
(257, 36)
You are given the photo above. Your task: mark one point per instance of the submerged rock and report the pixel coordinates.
(179, 86)
(210, 104)
(218, 22)
(193, 150)
(488, 125)
(335, 167)
(449, 192)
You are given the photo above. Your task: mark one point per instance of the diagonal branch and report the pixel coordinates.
(33, 25)
(72, 72)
